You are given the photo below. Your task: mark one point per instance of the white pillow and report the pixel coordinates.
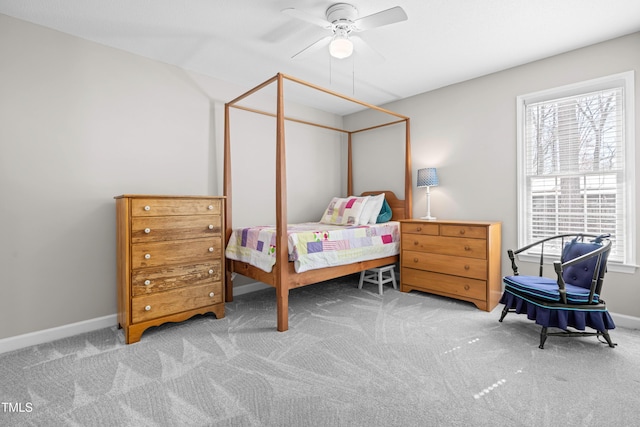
(367, 211)
(365, 214)
(344, 211)
(373, 207)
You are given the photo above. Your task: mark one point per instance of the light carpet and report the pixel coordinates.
(350, 358)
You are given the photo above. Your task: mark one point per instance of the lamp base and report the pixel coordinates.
(428, 217)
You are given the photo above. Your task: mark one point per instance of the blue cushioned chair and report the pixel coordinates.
(572, 299)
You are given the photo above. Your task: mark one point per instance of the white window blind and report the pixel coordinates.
(573, 172)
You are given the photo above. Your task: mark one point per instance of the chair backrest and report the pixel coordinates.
(584, 273)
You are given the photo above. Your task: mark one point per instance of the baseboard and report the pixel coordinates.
(52, 334)
(65, 331)
(625, 321)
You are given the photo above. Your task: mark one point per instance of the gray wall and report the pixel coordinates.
(468, 131)
(81, 123)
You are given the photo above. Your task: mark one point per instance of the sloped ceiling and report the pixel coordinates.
(247, 41)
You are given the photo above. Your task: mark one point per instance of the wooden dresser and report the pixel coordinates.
(457, 259)
(170, 260)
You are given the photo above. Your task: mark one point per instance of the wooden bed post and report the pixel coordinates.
(228, 283)
(282, 244)
(349, 167)
(408, 184)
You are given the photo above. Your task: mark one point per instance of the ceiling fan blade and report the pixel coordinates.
(304, 16)
(313, 47)
(364, 49)
(379, 19)
(284, 32)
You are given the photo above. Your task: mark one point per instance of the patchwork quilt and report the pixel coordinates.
(314, 245)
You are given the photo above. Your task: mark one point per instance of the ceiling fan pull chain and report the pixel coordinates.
(330, 68)
(353, 77)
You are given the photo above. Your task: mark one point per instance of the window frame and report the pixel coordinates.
(624, 80)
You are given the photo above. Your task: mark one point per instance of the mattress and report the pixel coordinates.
(313, 245)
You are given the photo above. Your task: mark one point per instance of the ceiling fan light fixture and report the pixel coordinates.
(341, 47)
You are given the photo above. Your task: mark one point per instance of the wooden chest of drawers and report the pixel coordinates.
(457, 259)
(170, 260)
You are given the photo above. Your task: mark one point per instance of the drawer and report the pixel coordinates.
(469, 231)
(156, 254)
(164, 207)
(463, 247)
(158, 279)
(443, 284)
(148, 229)
(446, 264)
(420, 228)
(160, 304)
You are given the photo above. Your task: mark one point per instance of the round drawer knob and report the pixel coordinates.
(466, 287)
(147, 230)
(147, 308)
(419, 229)
(211, 294)
(147, 208)
(415, 242)
(461, 231)
(211, 271)
(415, 260)
(210, 226)
(467, 248)
(147, 282)
(147, 256)
(466, 267)
(210, 249)
(210, 207)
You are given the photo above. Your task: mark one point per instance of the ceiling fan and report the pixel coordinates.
(342, 19)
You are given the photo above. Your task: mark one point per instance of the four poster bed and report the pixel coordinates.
(284, 273)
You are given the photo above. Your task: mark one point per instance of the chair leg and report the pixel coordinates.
(361, 279)
(606, 336)
(393, 279)
(543, 336)
(380, 290)
(505, 310)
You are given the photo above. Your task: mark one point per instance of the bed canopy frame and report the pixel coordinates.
(283, 276)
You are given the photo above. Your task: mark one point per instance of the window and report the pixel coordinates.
(575, 164)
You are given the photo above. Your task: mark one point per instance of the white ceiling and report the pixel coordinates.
(247, 41)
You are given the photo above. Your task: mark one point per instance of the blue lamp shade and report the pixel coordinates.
(427, 177)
